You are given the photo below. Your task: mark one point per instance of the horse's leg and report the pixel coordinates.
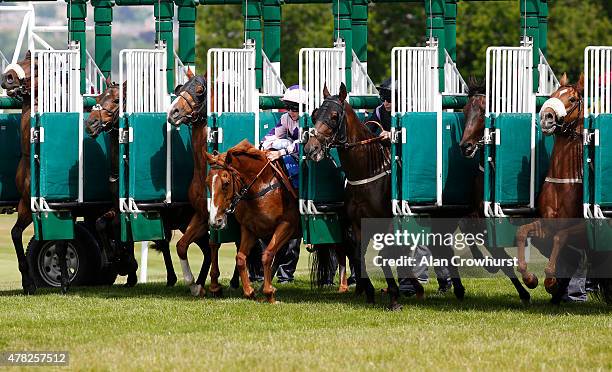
(132, 278)
(247, 240)
(61, 247)
(204, 245)
(215, 287)
(559, 241)
(24, 219)
(363, 280)
(281, 236)
(530, 279)
(196, 225)
(522, 292)
(392, 288)
(341, 257)
(104, 229)
(164, 247)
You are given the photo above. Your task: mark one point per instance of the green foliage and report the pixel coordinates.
(573, 24)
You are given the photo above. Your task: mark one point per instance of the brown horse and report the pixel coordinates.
(561, 195)
(471, 143)
(245, 181)
(189, 108)
(105, 118)
(17, 80)
(367, 165)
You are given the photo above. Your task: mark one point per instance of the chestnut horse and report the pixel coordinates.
(561, 195)
(471, 144)
(17, 81)
(105, 118)
(367, 165)
(244, 181)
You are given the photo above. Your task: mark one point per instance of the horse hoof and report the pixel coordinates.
(234, 284)
(171, 281)
(526, 300)
(250, 296)
(384, 290)
(343, 289)
(459, 293)
(531, 281)
(29, 288)
(216, 293)
(551, 285)
(359, 290)
(420, 294)
(395, 307)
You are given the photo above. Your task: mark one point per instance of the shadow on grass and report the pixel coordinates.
(302, 293)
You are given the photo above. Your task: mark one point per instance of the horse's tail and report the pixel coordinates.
(321, 265)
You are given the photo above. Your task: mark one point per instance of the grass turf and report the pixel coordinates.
(154, 327)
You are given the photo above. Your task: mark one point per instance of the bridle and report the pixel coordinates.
(105, 124)
(244, 187)
(481, 142)
(338, 127)
(195, 101)
(567, 129)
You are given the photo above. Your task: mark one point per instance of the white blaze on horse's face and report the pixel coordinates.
(216, 217)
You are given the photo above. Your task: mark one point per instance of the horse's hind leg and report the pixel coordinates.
(363, 280)
(164, 247)
(559, 241)
(132, 278)
(341, 257)
(24, 218)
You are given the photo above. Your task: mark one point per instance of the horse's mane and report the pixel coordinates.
(475, 86)
(245, 148)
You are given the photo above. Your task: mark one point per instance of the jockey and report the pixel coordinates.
(283, 139)
(382, 113)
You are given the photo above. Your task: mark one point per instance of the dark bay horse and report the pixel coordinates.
(244, 182)
(367, 165)
(17, 80)
(471, 144)
(105, 118)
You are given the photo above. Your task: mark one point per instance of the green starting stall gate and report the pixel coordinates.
(597, 179)
(428, 171)
(232, 109)
(321, 188)
(516, 152)
(145, 148)
(59, 147)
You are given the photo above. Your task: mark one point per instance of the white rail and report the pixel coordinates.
(548, 82)
(361, 84)
(180, 71)
(272, 83)
(94, 78)
(231, 81)
(319, 67)
(453, 81)
(145, 73)
(414, 80)
(509, 80)
(597, 80)
(3, 63)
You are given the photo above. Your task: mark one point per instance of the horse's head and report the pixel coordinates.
(223, 183)
(329, 124)
(474, 112)
(16, 77)
(189, 106)
(563, 110)
(104, 115)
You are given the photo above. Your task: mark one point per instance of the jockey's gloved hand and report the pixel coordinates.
(274, 155)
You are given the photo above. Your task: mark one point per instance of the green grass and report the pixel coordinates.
(154, 327)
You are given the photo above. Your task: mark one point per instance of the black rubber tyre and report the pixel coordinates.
(83, 254)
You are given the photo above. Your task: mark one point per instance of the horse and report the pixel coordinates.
(244, 182)
(561, 195)
(189, 108)
(367, 165)
(17, 80)
(105, 118)
(471, 143)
